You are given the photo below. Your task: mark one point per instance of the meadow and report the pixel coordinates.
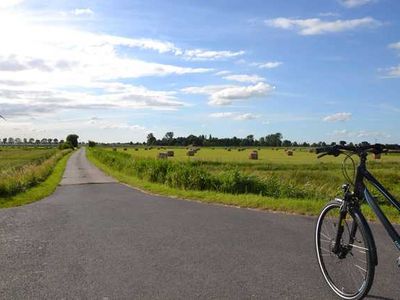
(22, 168)
(301, 177)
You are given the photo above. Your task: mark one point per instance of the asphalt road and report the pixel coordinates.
(97, 239)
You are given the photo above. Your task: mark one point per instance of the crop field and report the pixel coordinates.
(25, 167)
(274, 173)
(266, 155)
(17, 157)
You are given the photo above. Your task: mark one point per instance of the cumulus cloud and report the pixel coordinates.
(227, 94)
(234, 116)
(245, 78)
(317, 26)
(83, 12)
(341, 116)
(41, 66)
(355, 3)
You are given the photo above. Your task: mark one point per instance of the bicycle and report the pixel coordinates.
(345, 246)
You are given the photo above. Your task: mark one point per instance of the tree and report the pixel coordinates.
(92, 144)
(151, 140)
(73, 140)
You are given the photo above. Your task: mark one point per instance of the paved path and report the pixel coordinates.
(108, 241)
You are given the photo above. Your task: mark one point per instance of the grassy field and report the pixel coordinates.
(298, 183)
(24, 168)
(16, 157)
(39, 191)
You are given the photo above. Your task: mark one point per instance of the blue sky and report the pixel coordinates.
(117, 70)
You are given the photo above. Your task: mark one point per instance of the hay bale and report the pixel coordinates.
(162, 155)
(229, 149)
(377, 156)
(311, 151)
(170, 153)
(136, 149)
(253, 155)
(190, 152)
(125, 149)
(289, 153)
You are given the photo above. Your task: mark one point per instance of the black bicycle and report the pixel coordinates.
(344, 243)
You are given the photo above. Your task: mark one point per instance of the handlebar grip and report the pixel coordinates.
(323, 150)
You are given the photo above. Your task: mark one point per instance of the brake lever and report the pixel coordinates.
(322, 155)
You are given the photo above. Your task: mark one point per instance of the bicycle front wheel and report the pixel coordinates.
(349, 268)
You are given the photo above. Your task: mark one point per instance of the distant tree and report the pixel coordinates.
(55, 141)
(92, 144)
(11, 140)
(286, 143)
(151, 140)
(73, 140)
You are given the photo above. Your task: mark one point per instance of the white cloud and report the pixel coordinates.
(317, 26)
(360, 134)
(245, 78)
(83, 12)
(395, 46)
(43, 66)
(107, 124)
(269, 65)
(235, 116)
(223, 73)
(342, 116)
(200, 54)
(355, 3)
(9, 3)
(391, 72)
(329, 14)
(227, 94)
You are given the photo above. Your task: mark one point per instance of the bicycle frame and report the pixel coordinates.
(361, 191)
(377, 210)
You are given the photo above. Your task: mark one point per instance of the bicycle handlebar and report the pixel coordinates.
(336, 150)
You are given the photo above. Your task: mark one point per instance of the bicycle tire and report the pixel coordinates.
(323, 246)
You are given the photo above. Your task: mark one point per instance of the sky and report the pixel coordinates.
(114, 71)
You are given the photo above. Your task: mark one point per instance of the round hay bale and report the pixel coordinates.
(253, 155)
(170, 153)
(190, 153)
(377, 156)
(162, 155)
(289, 153)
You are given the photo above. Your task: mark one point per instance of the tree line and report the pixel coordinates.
(70, 141)
(272, 140)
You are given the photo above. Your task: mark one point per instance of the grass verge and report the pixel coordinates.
(39, 191)
(286, 205)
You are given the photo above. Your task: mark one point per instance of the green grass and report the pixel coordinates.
(304, 206)
(41, 190)
(267, 155)
(18, 178)
(14, 157)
